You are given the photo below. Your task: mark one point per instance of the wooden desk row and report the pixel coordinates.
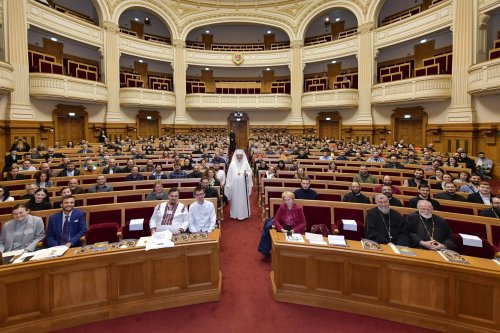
(424, 290)
(76, 289)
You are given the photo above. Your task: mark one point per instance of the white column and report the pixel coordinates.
(180, 68)
(365, 74)
(482, 39)
(112, 71)
(461, 110)
(296, 82)
(17, 31)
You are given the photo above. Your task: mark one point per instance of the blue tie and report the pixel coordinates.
(65, 231)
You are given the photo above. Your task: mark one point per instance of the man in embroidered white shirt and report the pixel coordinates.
(201, 213)
(171, 215)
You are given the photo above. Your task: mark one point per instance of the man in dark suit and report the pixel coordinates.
(450, 193)
(424, 193)
(112, 168)
(483, 196)
(135, 175)
(66, 227)
(494, 211)
(69, 171)
(10, 160)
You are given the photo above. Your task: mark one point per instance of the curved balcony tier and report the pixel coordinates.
(484, 78)
(430, 20)
(147, 98)
(346, 98)
(6, 77)
(331, 50)
(250, 58)
(59, 23)
(428, 88)
(143, 48)
(54, 86)
(233, 102)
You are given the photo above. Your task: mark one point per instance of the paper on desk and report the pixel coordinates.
(14, 253)
(350, 225)
(23, 257)
(136, 225)
(51, 252)
(159, 240)
(338, 240)
(471, 240)
(143, 241)
(296, 238)
(315, 238)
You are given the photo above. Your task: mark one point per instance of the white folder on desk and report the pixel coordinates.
(350, 225)
(471, 240)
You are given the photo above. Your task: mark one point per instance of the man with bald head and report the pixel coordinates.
(385, 225)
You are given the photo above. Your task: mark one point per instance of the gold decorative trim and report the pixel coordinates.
(238, 58)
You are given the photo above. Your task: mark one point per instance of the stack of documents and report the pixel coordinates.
(159, 240)
(316, 239)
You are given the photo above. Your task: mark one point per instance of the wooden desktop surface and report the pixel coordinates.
(424, 290)
(80, 288)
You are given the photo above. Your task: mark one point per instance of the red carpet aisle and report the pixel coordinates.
(247, 304)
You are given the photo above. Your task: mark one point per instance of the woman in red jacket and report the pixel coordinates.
(290, 216)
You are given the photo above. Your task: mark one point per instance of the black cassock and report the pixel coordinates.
(418, 232)
(377, 227)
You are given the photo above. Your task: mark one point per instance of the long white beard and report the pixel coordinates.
(426, 216)
(384, 210)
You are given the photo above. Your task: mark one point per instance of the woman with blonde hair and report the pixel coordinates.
(290, 216)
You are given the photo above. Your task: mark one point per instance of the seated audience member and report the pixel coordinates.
(70, 170)
(387, 191)
(429, 231)
(210, 192)
(220, 173)
(385, 225)
(271, 172)
(30, 191)
(26, 166)
(469, 162)
(290, 216)
(438, 175)
(66, 227)
(364, 176)
(355, 195)
(112, 167)
(85, 149)
(158, 173)
(281, 165)
(10, 160)
(195, 172)
(42, 180)
(171, 215)
(386, 181)
(5, 194)
(494, 211)
(135, 175)
(326, 156)
(294, 166)
(450, 193)
(158, 193)
(483, 166)
(393, 163)
(416, 180)
(73, 185)
(424, 193)
(187, 165)
(375, 158)
(150, 167)
(210, 173)
(464, 178)
(100, 185)
(300, 173)
(14, 174)
(177, 173)
(358, 157)
(51, 152)
(472, 186)
(452, 163)
(484, 195)
(332, 167)
(447, 178)
(202, 215)
(90, 168)
(342, 156)
(305, 192)
(40, 201)
(45, 167)
(65, 192)
(128, 167)
(24, 231)
(20, 145)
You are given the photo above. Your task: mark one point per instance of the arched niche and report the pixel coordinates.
(336, 22)
(145, 24)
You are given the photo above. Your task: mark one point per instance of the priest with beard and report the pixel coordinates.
(494, 211)
(428, 231)
(239, 186)
(385, 225)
